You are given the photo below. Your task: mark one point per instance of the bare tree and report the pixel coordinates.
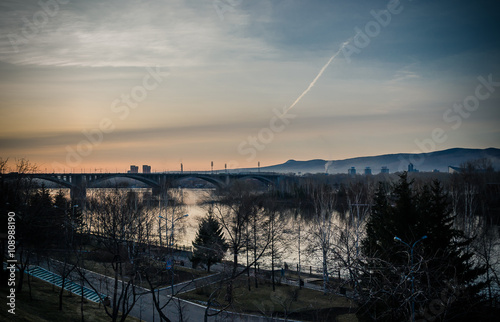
(487, 250)
(351, 229)
(119, 227)
(153, 270)
(322, 227)
(253, 233)
(277, 217)
(233, 209)
(237, 211)
(68, 220)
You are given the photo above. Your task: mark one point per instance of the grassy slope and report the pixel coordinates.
(44, 305)
(309, 304)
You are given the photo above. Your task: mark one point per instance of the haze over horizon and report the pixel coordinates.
(93, 85)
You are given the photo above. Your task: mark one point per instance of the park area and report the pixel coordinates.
(286, 301)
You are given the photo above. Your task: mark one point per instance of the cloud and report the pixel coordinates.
(229, 75)
(185, 133)
(404, 75)
(123, 33)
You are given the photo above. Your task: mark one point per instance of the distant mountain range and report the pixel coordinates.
(424, 162)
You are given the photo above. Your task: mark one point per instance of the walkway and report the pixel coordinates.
(144, 307)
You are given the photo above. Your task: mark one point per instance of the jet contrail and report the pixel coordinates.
(317, 76)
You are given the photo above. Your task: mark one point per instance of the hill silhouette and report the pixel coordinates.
(424, 162)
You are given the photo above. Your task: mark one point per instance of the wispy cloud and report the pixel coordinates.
(408, 72)
(226, 76)
(142, 135)
(121, 33)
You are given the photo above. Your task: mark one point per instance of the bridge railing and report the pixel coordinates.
(208, 172)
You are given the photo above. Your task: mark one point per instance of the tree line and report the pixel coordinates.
(410, 246)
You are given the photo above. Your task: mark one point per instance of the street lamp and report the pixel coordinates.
(412, 273)
(172, 245)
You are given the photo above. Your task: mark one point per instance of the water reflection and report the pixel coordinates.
(195, 202)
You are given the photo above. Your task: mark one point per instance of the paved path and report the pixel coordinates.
(176, 310)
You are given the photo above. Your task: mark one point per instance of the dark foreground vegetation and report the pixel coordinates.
(399, 247)
(41, 304)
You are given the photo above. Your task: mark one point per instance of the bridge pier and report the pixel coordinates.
(162, 185)
(78, 191)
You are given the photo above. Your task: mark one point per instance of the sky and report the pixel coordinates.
(100, 85)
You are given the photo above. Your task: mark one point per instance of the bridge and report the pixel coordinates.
(79, 182)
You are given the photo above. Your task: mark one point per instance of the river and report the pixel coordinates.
(186, 227)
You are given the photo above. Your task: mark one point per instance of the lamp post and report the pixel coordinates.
(412, 273)
(172, 245)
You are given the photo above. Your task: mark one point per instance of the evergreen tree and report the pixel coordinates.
(433, 276)
(45, 223)
(209, 245)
